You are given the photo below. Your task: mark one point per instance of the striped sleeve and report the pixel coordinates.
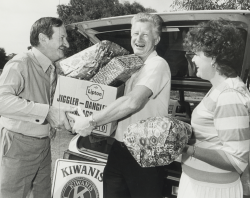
(231, 120)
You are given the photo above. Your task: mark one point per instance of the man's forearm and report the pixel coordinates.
(124, 106)
(121, 108)
(20, 109)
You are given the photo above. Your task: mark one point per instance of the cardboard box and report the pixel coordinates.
(91, 97)
(77, 179)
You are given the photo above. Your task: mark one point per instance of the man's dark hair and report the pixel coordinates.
(43, 25)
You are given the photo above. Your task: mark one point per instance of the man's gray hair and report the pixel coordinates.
(155, 19)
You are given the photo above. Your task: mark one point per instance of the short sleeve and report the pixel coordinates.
(231, 119)
(155, 76)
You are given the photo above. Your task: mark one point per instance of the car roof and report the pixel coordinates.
(233, 15)
(241, 18)
(171, 19)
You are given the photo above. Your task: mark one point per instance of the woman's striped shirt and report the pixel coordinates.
(221, 122)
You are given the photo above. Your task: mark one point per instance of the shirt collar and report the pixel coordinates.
(153, 54)
(43, 60)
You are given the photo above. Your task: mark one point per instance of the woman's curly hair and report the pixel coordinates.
(221, 40)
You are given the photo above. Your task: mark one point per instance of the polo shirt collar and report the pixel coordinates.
(153, 54)
(43, 60)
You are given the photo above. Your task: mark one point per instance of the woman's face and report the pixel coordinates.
(204, 66)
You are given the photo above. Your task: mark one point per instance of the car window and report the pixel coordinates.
(174, 52)
(121, 38)
(178, 57)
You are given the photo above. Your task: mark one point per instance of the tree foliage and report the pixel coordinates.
(3, 58)
(210, 5)
(83, 10)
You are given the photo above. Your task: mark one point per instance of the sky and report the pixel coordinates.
(17, 17)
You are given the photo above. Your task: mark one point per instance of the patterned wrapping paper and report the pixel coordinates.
(118, 70)
(157, 141)
(86, 63)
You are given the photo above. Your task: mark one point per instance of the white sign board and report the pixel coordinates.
(77, 179)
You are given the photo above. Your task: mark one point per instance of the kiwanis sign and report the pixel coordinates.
(91, 97)
(77, 179)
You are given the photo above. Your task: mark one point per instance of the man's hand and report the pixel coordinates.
(57, 117)
(81, 125)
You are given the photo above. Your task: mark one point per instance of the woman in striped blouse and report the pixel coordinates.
(213, 165)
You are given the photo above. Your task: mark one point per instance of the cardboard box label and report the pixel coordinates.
(95, 92)
(77, 179)
(90, 96)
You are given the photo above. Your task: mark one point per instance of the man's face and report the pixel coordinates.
(55, 46)
(143, 39)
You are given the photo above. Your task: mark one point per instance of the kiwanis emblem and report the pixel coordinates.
(95, 92)
(80, 187)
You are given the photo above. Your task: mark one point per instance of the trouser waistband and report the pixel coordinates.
(26, 136)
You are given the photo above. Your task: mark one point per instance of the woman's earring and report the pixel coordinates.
(213, 64)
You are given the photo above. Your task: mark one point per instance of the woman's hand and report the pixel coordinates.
(81, 123)
(189, 150)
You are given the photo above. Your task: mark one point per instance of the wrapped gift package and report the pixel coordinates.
(86, 63)
(157, 141)
(118, 70)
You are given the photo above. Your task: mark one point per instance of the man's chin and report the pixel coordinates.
(138, 53)
(61, 55)
(59, 58)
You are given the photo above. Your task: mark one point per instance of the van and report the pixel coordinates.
(187, 90)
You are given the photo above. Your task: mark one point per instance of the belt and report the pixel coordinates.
(40, 138)
(33, 137)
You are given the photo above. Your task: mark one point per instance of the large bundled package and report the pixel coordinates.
(118, 70)
(85, 64)
(157, 141)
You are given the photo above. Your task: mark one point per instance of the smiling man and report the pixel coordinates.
(144, 38)
(146, 94)
(27, 117)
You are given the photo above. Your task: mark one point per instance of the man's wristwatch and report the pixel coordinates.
(92, 122)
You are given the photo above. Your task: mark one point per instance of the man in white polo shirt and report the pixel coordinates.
(147, 94)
